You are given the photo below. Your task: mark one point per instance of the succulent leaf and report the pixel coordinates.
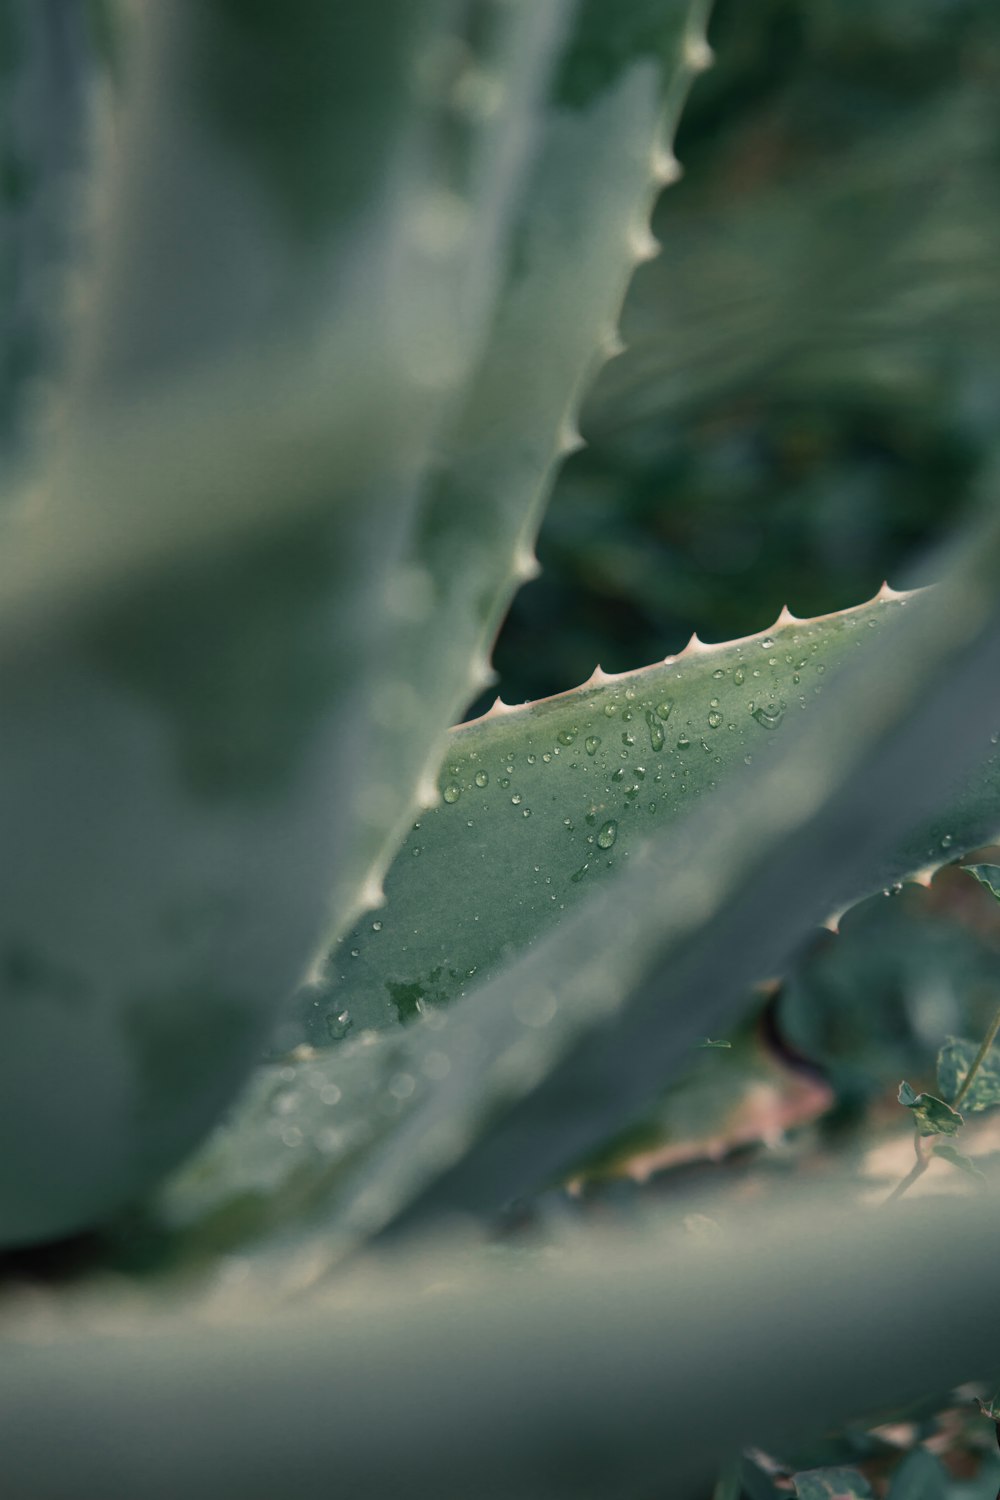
(540, 804)
(185, 721)
(576, 235)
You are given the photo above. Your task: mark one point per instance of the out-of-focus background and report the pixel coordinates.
(810, 393)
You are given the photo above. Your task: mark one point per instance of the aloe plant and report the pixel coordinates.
(287, 966)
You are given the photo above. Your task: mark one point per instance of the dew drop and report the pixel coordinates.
(630, 694)
(452, 792)
(715, 718)
(947, 841)
(531, 760)
(591, 744)
(609, 710)
(526, 812)
(578, 875)
(547, 758)
(618, 775)
(655, 731)
(718, 674)
(482, 778)
(505, 782)
(771, 716)
(338, 1024)
(565, 737)
(740, 676)
(608, 834)
(376, 927)
(766, 644)
(516, 799)
(663, 709)
(628, 739)
(683, 743)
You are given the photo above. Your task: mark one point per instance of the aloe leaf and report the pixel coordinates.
(668, 951)
(541, 804)
(49, 67)
(184, 754)
(649, 1355)
(600, 152)
(454, 1068)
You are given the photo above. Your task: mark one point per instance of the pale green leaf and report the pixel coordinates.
(931, 1116)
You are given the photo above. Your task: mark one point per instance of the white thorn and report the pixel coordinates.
(697, 53)
(526, 565)
(643, 243)
(664, 166)
(785, 618)
(481, 674)
(500, 707)
(597, 677)
(570, 439)
(612, 344)
(885, 592)
(693, 647)
(427, 793)
(371, 895)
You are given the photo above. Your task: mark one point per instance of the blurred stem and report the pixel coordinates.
(977, 1062)
(918, 1169)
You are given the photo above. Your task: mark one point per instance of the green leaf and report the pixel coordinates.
(652, 1318)
(597, 163)
(185, 677)
(954, 1061)
(987, 875)
(543, 804)
(919, 1477)
(831, 1484)
(669, 952)
(931, 1116)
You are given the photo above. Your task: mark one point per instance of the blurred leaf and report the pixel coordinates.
(954, 1061)
(919, 1477)
(831, 1484)
(964, 1163)
(931, 1116)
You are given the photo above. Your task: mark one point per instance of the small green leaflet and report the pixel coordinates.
(987, 875)
(963, 1163)
(930, 1115)
(954, 1061)
(708, 1042)
(831, 1484)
